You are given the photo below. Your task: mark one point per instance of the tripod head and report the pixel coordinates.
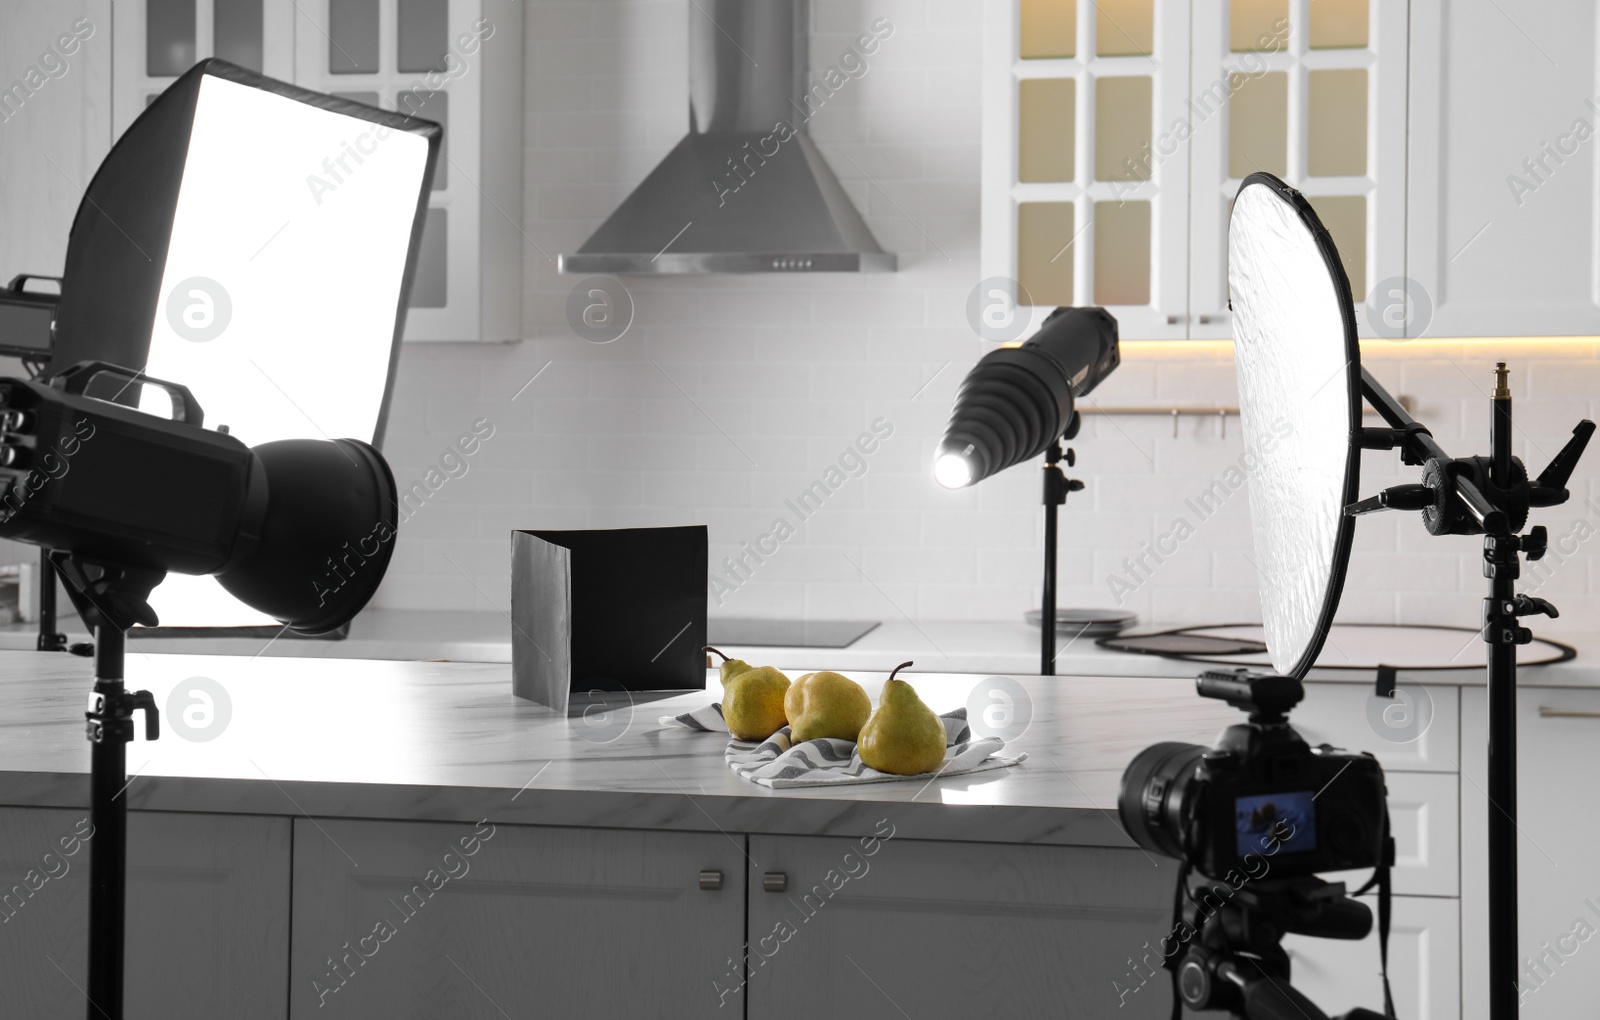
(1488, 496)
(1238, 964)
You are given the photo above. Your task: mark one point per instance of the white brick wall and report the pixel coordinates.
(791, 368)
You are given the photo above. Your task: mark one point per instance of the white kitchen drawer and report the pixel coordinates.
(1339, 714)
(1424, 811)
(1424, 963)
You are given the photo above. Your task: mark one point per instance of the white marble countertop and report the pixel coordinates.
(448, 741)
(946, 646)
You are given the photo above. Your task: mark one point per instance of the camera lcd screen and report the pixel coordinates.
(1288, 820)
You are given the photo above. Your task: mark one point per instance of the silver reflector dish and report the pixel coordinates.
(1299, 374)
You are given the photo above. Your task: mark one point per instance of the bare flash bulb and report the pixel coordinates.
(952, 471)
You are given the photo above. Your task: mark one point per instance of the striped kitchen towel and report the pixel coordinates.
(706, 720)
(779, 765)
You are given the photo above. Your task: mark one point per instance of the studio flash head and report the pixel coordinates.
(301, 529)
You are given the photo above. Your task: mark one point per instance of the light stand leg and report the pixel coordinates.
(1502, 817)
(110, 729)
(1047, 612)
(110, 600)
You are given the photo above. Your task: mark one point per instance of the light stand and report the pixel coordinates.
(111, 601)
(1056, 487)
(1016, 403)
(1490, 496)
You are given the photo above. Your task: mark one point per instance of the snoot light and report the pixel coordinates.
(1017, 401)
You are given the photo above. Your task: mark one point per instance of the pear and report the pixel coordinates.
(904, 736)
(730, 667)
(752, 698)
(826, 704)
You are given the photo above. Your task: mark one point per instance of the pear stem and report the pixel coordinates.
(724, 655)
(898, 668)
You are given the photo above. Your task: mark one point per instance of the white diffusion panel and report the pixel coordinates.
(282, 283)
(1296, 377)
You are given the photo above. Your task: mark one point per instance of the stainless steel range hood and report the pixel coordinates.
(746, 190)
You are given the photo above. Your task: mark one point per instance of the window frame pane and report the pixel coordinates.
(1046, 238)
(354, 37)
(1336, 143)
(1120, 141)
(1117, 229)
(1046, 150)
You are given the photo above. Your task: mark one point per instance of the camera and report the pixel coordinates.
(1262, 791)
(1258, 815)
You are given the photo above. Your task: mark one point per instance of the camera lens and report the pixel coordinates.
(1154, 789)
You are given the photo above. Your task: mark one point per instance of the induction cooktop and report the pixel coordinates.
(787, 633)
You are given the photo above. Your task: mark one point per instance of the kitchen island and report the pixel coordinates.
(361, 838)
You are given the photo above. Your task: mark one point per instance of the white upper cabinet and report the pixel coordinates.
(456, 62)
(1503, 177)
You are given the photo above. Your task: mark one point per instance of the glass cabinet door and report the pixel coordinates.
(1085, 194)
(416, 57)
(1297, 88)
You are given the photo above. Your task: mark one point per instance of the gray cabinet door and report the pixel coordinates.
(208, 915)
(928, 929)
(428, 919)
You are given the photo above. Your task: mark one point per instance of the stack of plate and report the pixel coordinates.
(1089, 623)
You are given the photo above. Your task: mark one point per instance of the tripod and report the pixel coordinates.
(110, 600)
(1237, 963)
(1488, 496)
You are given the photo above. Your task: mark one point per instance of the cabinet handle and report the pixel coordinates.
(1205, 320)
(1566, 713)
(1172, 320)
(711, 880)
(774, 881)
